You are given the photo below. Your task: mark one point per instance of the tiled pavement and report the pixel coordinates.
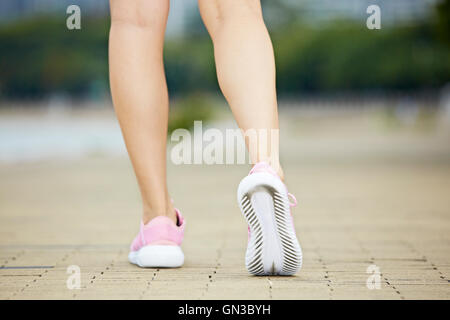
(391, 212)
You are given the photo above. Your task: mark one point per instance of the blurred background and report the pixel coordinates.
(54, 91)
(365, 132)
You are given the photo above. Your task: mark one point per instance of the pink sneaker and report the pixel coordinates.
(158, 243)
(273, 248)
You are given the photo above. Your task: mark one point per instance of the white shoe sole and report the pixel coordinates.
(157, 256)
(273, 248)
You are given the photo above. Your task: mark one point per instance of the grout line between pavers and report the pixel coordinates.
(97, 276)
(39, 276)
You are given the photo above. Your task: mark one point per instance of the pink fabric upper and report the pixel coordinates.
(263, 167)
(160, 230)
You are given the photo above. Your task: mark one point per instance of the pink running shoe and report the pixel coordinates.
(273, 248)
(157, 244)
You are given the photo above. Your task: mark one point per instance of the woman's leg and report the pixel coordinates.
(140, 95)
(245, 69)
(246, 73)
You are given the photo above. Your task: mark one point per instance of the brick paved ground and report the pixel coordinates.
(381, 199)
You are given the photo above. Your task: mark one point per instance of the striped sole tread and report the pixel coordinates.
(292, 256)
(254, 261)
(291, 252)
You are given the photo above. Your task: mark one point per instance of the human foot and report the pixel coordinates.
(158, 243)
(273, 248)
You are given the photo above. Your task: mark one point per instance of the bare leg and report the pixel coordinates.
(245, 68)
(140, 95)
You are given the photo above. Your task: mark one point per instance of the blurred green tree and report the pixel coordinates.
(40, 57)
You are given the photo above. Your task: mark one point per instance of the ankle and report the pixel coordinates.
(277, 167)
(150, 213)
(280, 173)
